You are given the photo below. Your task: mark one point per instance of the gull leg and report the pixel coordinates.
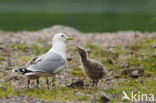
(47, 82)
(37, 82)
(28, 83)
(53, 82)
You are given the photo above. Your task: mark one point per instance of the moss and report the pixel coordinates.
(60, 93)
(23, 58)
(40, 40)
(2, 59)
(76, 71)
(38, 49)
(5, 90)
(92, 46)
(12, 45)
(69, 94)
(22, 46)
(19, 46)
(136, 47)
(145, 56)
(119, 50)
(132, 85)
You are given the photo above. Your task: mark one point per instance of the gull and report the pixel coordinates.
(50, 63)
(92, 69)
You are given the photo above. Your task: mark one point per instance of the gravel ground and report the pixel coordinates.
(106, 40)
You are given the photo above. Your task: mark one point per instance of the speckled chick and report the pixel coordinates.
(93, 69)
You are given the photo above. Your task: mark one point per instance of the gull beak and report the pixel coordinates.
(70, 38)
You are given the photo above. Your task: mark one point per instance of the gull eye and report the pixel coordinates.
(62, 35)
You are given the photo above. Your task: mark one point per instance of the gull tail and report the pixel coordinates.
(21, 70)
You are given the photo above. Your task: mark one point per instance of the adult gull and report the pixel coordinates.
(50, 63)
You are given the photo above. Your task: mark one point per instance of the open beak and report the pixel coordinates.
(78, 49)
(70, 38)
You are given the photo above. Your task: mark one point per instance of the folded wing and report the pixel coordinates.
(48, 63)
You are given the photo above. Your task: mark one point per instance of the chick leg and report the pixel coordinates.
(93, 83)
(96, 83)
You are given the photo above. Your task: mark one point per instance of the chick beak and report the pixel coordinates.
(70, 38)
(78, 49)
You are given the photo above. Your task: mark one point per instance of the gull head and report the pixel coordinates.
(60, 37)
(82, 52)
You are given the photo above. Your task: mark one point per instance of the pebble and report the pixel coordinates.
(109, 60)
(154, 45)
(135, 74)
(76, 84)
(88, 50)
(104, 98)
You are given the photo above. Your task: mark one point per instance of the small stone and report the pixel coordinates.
(125, 65)
(134, 71)
(88, 50)
(104, 98)
(109, 60)
(2, 48)
(69, 58)
(140, 70)
(76, 84)
(116, 76)
(154, 55)
(135, 74)
(154, 45)
(126, 72)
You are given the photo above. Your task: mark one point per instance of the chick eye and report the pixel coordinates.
(62, 35)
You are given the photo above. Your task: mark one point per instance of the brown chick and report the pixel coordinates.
(94, 70)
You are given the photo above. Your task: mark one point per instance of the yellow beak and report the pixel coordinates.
(69, 38)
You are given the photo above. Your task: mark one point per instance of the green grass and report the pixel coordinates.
(76, 71)
(39, 49)
(18, 46)
(24, 58)
(59, 93)
(70, 94)
(143, 55)
(36, 49)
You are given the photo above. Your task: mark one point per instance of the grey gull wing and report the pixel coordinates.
(49, 63)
